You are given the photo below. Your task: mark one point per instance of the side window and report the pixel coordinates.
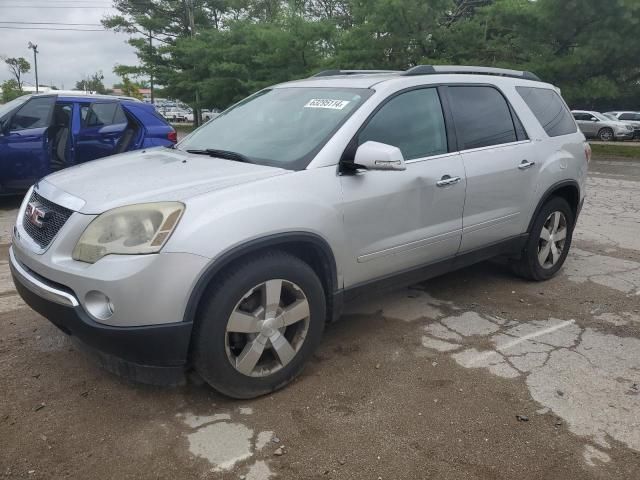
(579, 116)
(482, 116)
(412, 121)
(549, 109)
(630, 116)
(102, 114)
(35, 113)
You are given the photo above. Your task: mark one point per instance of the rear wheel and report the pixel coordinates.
(261, 322)
(606, 135)
(549, 241)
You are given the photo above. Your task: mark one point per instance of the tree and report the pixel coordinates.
(10, 90)
(234, 47)
(129, 88)
(92, 83)
(18, 66)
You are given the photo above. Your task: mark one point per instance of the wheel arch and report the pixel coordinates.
(613, 133)
(309, 247)
(567, 189)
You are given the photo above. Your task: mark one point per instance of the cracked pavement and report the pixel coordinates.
(473, 375)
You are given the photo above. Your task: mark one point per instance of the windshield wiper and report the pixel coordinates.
(226, 154)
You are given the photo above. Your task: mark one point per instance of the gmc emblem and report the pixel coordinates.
(37, 214)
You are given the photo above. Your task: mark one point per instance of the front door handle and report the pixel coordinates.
(448, 180)
(525, 164)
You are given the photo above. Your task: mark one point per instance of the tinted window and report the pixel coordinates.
(33, 114)
(630, 116)
(581, 116)
(549, 109)
(482, 117)
(102, 114)
(412, 121)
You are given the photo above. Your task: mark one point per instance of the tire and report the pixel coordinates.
(236, 324)
(606, 135)
(530, 265)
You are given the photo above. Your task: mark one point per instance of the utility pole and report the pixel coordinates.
(35, 61)
(151, 65)
(192, 29)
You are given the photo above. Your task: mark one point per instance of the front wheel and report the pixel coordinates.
(262, 320)
(549, 241)
(606, 135)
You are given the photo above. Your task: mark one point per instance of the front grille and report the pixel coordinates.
(57, 216)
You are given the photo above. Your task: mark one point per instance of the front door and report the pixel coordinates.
(400, 220)
(500, 162)
(588, 124)
(24, 148)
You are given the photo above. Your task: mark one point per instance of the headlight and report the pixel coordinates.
(130, 230)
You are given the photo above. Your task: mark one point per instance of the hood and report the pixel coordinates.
(157, 174)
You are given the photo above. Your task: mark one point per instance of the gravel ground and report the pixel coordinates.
(473, 375)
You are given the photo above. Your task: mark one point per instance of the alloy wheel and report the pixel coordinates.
(267, 328)
(553, 237)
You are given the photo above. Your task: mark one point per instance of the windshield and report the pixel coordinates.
(13, 104)
(602, 117)
(282, 127)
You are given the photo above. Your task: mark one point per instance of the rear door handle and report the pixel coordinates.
(448, 180)
(525, 164)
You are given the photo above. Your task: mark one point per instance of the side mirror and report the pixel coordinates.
(379, 156)
(594, 119)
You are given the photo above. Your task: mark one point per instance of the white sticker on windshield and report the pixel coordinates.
(327, 103)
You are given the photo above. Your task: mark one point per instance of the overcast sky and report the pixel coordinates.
(64, 56)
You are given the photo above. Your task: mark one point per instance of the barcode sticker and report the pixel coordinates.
(327, 103)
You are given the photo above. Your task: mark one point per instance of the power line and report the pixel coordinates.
(56, 29)
(54, 23)
(56, 6)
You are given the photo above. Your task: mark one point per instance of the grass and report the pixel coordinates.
(620, 150)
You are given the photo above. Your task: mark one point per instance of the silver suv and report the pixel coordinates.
(597, 125)
(229, 253)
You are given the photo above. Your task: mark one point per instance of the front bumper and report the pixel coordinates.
(625, 135)
(155, 354)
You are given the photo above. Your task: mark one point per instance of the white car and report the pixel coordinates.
(631, 118)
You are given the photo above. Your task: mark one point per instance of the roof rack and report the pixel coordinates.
(331, 73)
(501, 72)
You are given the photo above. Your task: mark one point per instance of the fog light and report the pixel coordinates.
(98, 305)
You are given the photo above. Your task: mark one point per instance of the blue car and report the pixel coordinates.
(40, 134)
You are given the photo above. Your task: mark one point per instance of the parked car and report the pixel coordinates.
(597, 125)
(209, 114)
(230, 252)
(40, 134)
(176, 114)
(630, 118)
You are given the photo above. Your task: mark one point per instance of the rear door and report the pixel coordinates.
(499, 161)
(102, 125)
(25, 146)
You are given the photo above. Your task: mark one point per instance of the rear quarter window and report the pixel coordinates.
(550, 110)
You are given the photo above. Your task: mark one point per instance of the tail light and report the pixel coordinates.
(172, 136)
(587, 152)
